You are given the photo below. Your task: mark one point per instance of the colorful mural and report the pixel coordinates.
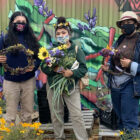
(90, 31)
(132, 5)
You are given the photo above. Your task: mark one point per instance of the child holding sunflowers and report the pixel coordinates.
(72, 100)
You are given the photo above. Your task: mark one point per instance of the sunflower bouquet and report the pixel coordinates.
(58, 57)
(52, 57)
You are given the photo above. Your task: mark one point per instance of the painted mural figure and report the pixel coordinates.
(20, 63)
(63, 33)
(124, 72)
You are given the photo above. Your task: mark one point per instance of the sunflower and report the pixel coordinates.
(43, 53)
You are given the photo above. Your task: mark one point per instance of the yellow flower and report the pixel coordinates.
(54, 25)
(43, 53)
(12, 124)
(115, 134)
(26, 124)
(2, 121)
(30, 52)
(67, 23)
(1, 137)
(38, 134)
(121, 132)
(62, 47)
(5, 129)
(22, 131)
(0, 110)
(60, 24)
(35, 125)
(108, 47)
(59, 48)
(18, 45)
(41, 131)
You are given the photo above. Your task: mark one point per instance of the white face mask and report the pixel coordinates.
(63, 40)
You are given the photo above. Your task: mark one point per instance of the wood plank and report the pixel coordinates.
(50, 127)
(85, 119)
(85, 116)
(110, 138)
(84, 111)
(66, 127)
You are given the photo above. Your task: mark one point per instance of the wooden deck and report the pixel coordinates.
(93, 127)
(88, 119)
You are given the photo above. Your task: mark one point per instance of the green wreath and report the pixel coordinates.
(15, 48)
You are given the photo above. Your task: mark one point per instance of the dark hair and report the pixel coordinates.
(30, 38)
(63, 21)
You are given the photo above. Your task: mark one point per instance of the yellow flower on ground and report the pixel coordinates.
(26, 124)
(38, 134)
(1, 137)
(41, 131)
(12, 124)
(2, 121)
(43, 53)
(121, 132)
(22, 131)
(5, 129)
(35, 125)
(0, 110)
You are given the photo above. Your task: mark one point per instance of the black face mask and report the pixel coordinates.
(20, 27)
(128, 28)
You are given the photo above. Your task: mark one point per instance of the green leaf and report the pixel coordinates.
(93, 65)
(10, 13)
(88, 45)
(36, 28)
(25, 6)
(36, 17)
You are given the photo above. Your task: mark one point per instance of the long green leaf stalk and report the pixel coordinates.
(60, 86)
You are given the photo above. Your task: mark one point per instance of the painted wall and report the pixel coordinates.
(91, 21)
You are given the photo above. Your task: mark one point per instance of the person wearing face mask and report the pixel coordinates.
(124, 81)
(63, 33)
(19, 87)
